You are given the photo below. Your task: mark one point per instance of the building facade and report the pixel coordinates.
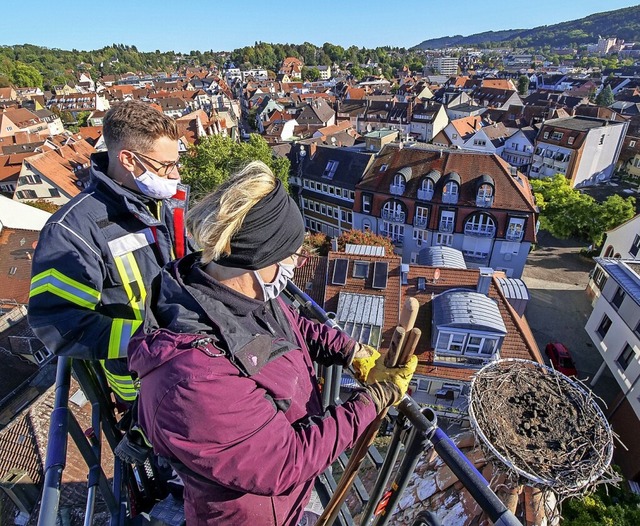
(422, 197)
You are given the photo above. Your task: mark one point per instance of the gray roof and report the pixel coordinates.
(364, 250)
(442, 257)
(464, 309)
(513, 288)
(579, 123)
(626, 273)
(360, 308)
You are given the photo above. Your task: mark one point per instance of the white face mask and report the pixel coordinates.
(272, 290)
(153, 185)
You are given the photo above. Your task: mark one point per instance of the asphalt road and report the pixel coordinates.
(556, 276)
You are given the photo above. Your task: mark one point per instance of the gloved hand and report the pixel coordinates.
(400, 376)
(384, 394)
(364, 358)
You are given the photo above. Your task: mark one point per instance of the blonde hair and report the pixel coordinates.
(219, 215)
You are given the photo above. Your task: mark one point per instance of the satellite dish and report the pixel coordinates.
(333, 141)
(369, 128)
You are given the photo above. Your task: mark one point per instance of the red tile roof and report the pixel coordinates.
(58, 166)
(518, 343)
(16, 250)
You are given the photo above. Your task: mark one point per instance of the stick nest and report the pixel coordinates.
(543, 426)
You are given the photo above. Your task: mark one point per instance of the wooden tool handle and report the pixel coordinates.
(395, 347)
(409, 313)
(409, 345)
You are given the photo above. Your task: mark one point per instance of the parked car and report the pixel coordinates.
(560, 358)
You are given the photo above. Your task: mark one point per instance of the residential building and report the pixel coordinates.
(255, 73)
(467, 109)
(614, 328)
(518, 148)
(428, 118)
(75, 103)
(10, 166)
(489, 139)
(292, 68)
(56, 175)
(496, 97)
(325, 72)
(446, 65)
(623, 241)
(420, 197)
(325, 184)
(584, 149)
(458, 132)
(317, 114)
(16, 120)
(464, 317)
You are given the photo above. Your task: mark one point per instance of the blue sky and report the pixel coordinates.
(200, 24)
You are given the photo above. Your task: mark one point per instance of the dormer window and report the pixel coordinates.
(425, 192)
(450, 192)
(485, 195)
(399, 184)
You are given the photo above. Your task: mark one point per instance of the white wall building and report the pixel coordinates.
(446, 65)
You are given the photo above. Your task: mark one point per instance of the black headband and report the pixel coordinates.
(272, 231)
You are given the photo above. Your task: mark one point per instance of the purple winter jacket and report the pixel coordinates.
(236, 403)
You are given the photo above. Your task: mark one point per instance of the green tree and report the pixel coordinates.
(605, 97)
(311, 74)
(214, 159)
(43, 204)
(523, 85)
(82, 118)
(565, 212)
(609, 506)
(23, 75)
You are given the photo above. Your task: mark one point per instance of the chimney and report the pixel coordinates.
(484, 280)
(514, 172)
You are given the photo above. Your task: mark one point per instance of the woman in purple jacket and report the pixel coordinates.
(227, 386)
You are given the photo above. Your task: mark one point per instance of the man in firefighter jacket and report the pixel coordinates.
(97, 255)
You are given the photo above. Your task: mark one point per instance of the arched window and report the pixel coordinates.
(425, 192)
(399, 184)
(450, 192)
(480, 225)
(609, 252)
(393, 211)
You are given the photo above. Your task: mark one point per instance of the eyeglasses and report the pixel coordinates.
(301, 258)
(166, 167)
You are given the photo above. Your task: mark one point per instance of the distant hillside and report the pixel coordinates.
(621, 23)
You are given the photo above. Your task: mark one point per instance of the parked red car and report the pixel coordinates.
(561, 358)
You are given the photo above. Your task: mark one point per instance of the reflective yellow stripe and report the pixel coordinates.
(69, 289)
(122, 385)
(130, 273)
(121, 332)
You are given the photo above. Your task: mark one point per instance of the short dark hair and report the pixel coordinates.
(136, 125)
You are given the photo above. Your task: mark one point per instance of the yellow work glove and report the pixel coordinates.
(364, 359)
(400, 376)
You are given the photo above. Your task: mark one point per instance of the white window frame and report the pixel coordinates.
(453, 339)
(366, 203)
(444, 239)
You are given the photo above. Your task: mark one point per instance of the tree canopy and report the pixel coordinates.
(214, 159)
(605, 97)
(566, 212)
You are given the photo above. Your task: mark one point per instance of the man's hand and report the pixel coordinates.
(364, 358)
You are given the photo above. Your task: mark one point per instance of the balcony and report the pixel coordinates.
(396, 189)
(420, 222)
(425, 195)
(480, 231)
(471, 360)
(450, 199)
(397, 239)
(445, 226)
(394, 217)
(484, 202)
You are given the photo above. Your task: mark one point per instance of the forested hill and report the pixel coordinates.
(621, 23)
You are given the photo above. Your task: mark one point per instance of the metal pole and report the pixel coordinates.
(385, 471)
(472, 480)
(56, 446)
(418, 443)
